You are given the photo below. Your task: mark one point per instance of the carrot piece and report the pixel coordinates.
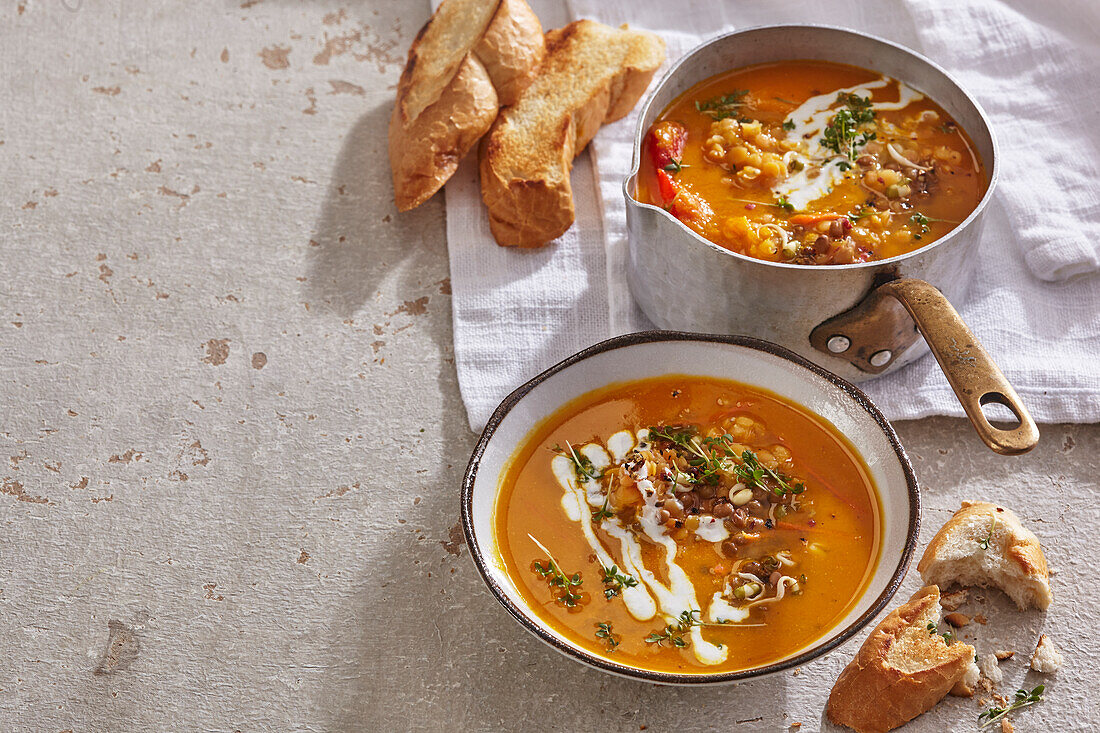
(802, 220)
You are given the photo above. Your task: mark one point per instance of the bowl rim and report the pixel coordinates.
(532, 623)
(639, 137)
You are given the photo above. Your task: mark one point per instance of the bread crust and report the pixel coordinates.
(443, 108)
(438, 52)
(874, 695)
(426, 152)
(512, 49)
(1019, 546)
(592, 74)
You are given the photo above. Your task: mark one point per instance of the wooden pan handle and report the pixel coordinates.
(970, 371)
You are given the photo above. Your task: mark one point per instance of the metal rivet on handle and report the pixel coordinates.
(839, 344)
(881, 358)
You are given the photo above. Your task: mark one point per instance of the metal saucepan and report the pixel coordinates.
(860, 320)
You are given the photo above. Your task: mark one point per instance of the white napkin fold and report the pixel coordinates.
(1037, 307)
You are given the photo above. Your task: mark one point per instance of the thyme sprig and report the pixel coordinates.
(707, 464)
(722, 106)
(752, 472)
(615, 581)
(933, 629)
(582, 465)
(603, 631)
(603, 512)
(558, 580)
(675, 165)
(984, 543)
(844, 135)
(1023, 699)
(674, 634)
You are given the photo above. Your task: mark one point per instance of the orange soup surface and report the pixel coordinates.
(811, 162)
(688, 525)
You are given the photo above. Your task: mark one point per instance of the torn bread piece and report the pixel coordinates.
(986, 545)
(1046, 658)
(592, 74)
(990, 670)
(471, 57)
(903, 668)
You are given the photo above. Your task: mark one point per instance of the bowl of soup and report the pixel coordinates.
(690, 509)
(822, 189)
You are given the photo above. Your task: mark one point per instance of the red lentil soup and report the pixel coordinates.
(688, 525)
(811, 162)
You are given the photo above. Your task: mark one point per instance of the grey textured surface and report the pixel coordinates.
(232, 440)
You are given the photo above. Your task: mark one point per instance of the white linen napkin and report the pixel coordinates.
(1036, 309)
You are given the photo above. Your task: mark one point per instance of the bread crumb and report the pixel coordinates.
(983, 702)
(981, 619)
(1046, 658)
(1006, 726)
(988, 665)
(956, 619)
(1003, 655)
(951, 601)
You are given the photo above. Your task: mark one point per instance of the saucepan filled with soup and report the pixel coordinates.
(821, 189)
(690, 509)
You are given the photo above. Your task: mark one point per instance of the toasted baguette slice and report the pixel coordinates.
(512, 49)
(438, 51)
(471, 57)
(592, 74)
(426, 152)
(1013, 560)
(901, 671)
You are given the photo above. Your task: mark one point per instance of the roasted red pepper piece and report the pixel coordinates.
(666, 143)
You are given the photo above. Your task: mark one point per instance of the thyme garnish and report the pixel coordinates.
(784, 204)
(556, 579)
(616, 581)
(582, 465)
(843, 135)
(984, 543)
(675, 165)
(788, 125)
(948, 637)
(922, 221)
(863, 212)
(722, 106)
(752, 472)
(707, 465)
(603, 631)
(602, 513)
(674, 635)
(1023, 700)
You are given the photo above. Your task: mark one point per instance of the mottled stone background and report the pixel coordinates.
(231, 439)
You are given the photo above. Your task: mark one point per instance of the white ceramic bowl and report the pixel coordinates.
(747, 360)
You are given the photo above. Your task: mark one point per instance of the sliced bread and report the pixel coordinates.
(471, 57)
(903, 668)
(592, 74)
(986, 545)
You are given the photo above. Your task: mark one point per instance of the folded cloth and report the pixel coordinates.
(1036, 309)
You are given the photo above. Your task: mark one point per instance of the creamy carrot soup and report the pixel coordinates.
(811, 162)
(688, 525)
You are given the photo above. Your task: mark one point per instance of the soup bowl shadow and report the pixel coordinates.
(753, 362)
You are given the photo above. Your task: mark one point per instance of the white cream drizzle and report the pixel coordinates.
(673, 599)
(722, 612)
(638, 602)
(810, 120)
(712, 529)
